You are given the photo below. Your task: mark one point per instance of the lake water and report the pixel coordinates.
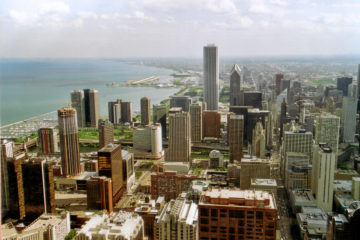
(29, 87)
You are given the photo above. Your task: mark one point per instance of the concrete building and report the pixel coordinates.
(211, 123)
(356, 188)
(148, 142)
(179, 149)
(323, 176)
(258, 141)
(349, 114)
(114, 109)
(236, 136)
(48, 141)
(178, 220)
(145, 110)
(300, 198)
(78, 102)
(99, 193)
(253, 168)
(119, 225)
(110, 165)
(313, 223)
(283, 117)
(170, 184)
(159, 116)
(128, 169)
(237, 214)
(216, 159)
(211, 76)
(235, 86)
(296, 170)
(327, 131)
(278, 78)
(264, 184)
(284, 84)
(180, 101)
(47, 226)
(92, 108)
(69, 141)
(126, 112)
(106, 133)
(343, 84)
(196, 122)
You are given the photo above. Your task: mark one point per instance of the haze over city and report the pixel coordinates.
(164, 28)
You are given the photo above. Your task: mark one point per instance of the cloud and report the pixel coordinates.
(22, 16)
(54, 7)
(279, 2)
(258, 6)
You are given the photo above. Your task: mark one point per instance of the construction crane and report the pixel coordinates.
(62, 103)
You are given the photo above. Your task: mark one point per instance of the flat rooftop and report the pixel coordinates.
(263, 182)
(250, 198)
(302, 195)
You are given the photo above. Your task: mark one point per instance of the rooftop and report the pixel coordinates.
(238, 197)
(263, 182)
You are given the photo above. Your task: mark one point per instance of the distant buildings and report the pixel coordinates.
(159, 114)
(114, 109)
(236, 136)
(177, 220)
(110, 165)
(106, 133)
(211, 76)
(48, 140)
(235, 86)
(324, 164)
(148, 142)
(78, 102)
(118, 225)
(180, 101)
(196, 122)
(278, 78)
(145, 110)
(126, 112)
(92, 108)
(69, 141)
(240, 214)
(179, 149)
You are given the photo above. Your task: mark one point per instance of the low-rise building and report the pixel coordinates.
(119, 225)
(313, 223)
(264, 184)
(301, 198)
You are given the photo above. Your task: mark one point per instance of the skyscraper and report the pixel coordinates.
(78, 102)
(159, 112)
(145, 110)
(126, 112)
(106, 133)
(48, 140)
(114, 109)
(211, 123)
(236, 136)
(343, 84)
(92, 109)
(179, 138)
(235, 86)
(99, 193)
(211, 77)
(180, 101)
(110, 164)
(6, 151)
(196, 122)
(327, 130)
(69, 141)
(282, 117)
(278, 78)
(323, 176)
(349, 113)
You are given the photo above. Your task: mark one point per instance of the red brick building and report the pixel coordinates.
(170, 184)
(226, 214)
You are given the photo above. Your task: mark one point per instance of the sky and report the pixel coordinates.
(177, 28)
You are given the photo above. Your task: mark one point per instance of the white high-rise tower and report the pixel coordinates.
(211, 77)
(349, 113)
